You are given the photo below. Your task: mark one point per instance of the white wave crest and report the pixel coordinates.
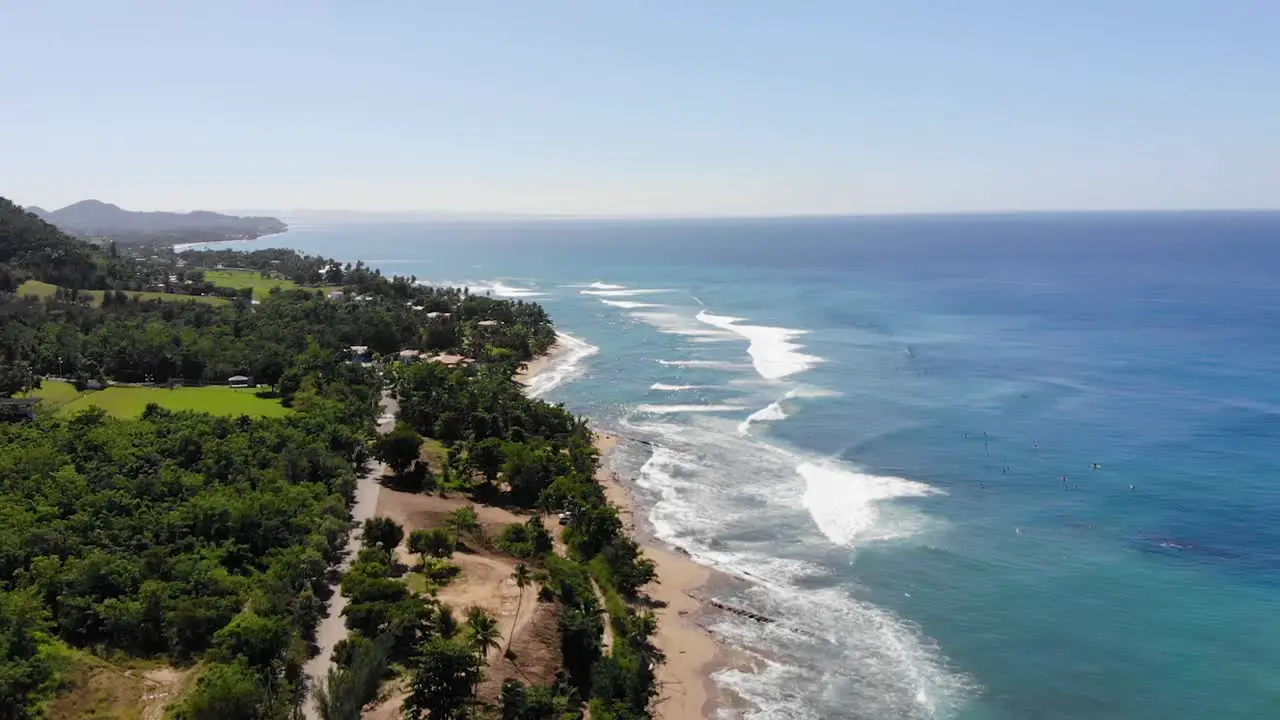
(676, 388)
(670, 409)
(676, 324)
(624, 293)
(772, 351)
(629, 304)
(605, 286)
(847, 505)
(564, 368)
(769, 413)
(497, 288)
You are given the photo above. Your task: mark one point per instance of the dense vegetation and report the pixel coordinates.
(182, 536)
(536, 455)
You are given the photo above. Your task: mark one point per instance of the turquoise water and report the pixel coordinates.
(869, 421)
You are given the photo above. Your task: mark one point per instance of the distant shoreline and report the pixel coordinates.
(184, 246)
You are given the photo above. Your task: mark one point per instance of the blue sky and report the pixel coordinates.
(699, 107)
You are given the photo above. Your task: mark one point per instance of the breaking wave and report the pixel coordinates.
(670, 409)
(847, 505)
(624, 293)
(565, 368)
(772, 351)
(755, 510)
(629, 304)
(676, 324)
(769, 413)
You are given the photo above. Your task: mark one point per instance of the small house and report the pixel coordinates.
(360, 353)
(408, 356)
(487, 323)
(336, 295)
(240, 381)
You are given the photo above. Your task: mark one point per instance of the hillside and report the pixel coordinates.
(32, 248)
(95, 218)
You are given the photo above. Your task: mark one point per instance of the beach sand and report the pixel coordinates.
(541, 363)
(685, 688)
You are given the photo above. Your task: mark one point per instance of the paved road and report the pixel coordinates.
(333, 629)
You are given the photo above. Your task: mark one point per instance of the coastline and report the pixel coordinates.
(686, 691)
(692, 654)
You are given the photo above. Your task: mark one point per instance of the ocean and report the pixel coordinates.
(979, 467)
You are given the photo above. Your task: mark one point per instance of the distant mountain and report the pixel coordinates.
(95, 218)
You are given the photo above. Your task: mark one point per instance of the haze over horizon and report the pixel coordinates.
(643, 109)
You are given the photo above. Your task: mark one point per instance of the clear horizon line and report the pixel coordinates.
(513, 215)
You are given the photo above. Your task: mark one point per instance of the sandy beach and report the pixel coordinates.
(537, 365)
(686, 690)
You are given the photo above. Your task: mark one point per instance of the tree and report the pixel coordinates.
(483, 631)
(484, 636)
(463, 520)
(224, 692)
(486, 456)
(445, 673)
(434, 542)
(256, 639)
(523, 579)
(352, 684)
(383, 533)
(399, 448)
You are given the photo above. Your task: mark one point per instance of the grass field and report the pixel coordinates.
(131, 401)
(44, 289)
(248, 279)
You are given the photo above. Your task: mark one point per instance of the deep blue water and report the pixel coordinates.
(902, 505)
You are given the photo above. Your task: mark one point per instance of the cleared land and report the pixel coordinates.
(129, 401)
(238, 279)
(44, 289)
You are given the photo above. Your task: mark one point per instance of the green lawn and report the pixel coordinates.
(248, 279)
(56, 393)
(44, 289)
(131, 401)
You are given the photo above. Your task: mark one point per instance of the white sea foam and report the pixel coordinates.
(497, 288)
(671, 409)
(744, 506)
(709, 364)
(624, 293)
(676, 388)
(673, 323)
(629, 304)
(769, 413)
(605, 286)
(772, 351)
(846, 504)
(565, 368)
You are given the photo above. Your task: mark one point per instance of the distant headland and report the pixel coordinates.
(97, 219)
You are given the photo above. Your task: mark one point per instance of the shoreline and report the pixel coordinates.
(686, 690)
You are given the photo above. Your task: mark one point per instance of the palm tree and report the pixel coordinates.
(484, 631)
(484, 637)
(523, 578)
